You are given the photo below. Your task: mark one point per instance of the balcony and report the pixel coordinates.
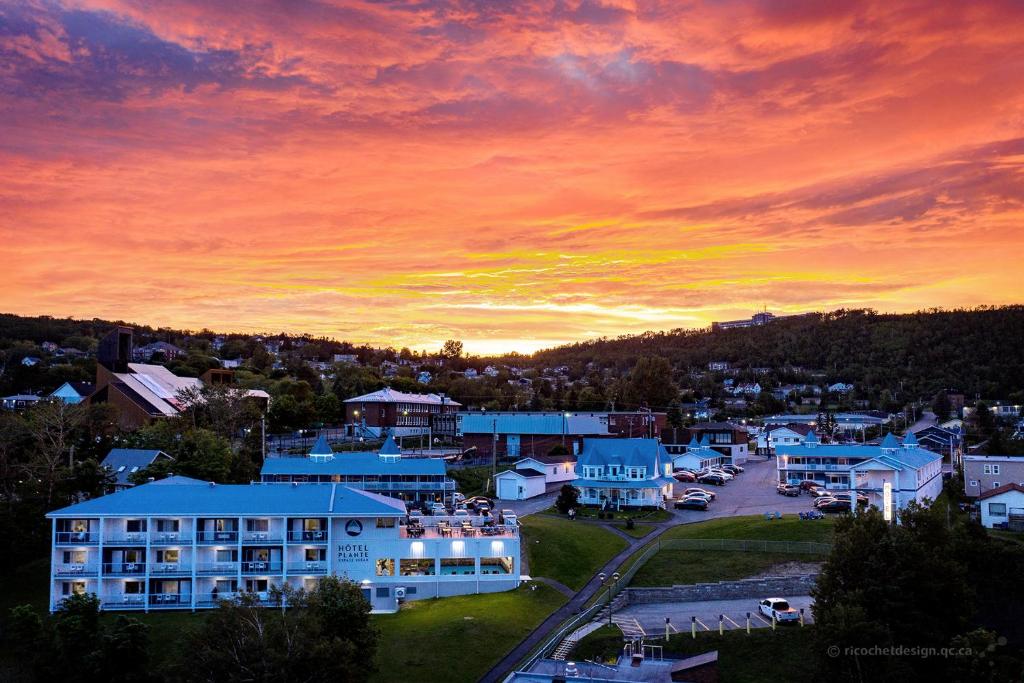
(169, 601)
(317, 537)
(135, 538)
(263, 537)
(124, 568)
(216, 537)
(77, 538)
(212, 599)
(169, 569)
(464, 530)
(170, 538)
(124, 601)
(313, 567)
(260, 567)
(73, 570)
(217, 569)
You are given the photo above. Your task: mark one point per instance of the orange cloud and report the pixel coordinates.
(511, 174)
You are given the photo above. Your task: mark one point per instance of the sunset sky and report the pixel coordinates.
(512, 174)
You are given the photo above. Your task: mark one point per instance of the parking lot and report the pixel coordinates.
(750, 493)
(650, 618)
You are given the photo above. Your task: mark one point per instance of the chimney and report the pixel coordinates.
(115, 349)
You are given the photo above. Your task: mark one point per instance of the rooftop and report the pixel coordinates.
(389, 395)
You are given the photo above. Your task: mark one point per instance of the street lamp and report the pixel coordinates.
(610, 582)
(565, 426)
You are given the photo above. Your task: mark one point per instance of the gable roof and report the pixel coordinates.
(124, 462)
(999, 490)
(647, 453)
(82, 389)
(389, 395)
(236, 499)
(525, 472)
(321, 447)
(796, 427)
(548, 459)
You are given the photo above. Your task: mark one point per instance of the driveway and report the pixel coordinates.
(750, 493)
(651, 617)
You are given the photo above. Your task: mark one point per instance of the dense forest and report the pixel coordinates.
(976, 351)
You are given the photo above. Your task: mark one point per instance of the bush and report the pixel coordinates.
(630, 524)
(568, 498)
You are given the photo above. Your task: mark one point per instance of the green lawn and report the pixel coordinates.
(1006, 535)
(784, 656)
(638, 530)
(569, 552)
(472, 481)
(458, 638)
(756, 527)
(617, 515)
(679, 567)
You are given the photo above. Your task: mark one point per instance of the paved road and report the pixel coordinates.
(651, 617)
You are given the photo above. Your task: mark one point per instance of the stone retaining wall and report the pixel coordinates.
(769, 586)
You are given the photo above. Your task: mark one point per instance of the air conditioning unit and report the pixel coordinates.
(400, 593)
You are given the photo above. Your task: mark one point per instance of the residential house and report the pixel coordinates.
(774, 435)
(519, 483)
(946, 442)
(731, 440)
(31, 361)
(840, 388)
(470, 373)
(424, 377)
(718, 365)
(396, 412)
(987, 472)
(18, 401)
(491, 371)
(913, 473)
(73, 392)
(624, 473)
(385, 472)
(698, 456)
(346, 358)
(49, 347)
(160, 351)
(183, 544)
(124, 462)
(1003, 507)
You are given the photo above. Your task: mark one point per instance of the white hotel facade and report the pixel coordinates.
(181, 543)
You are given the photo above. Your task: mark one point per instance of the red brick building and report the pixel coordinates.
(397, 412)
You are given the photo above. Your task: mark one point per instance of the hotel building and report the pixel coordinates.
(624, 473)
(180, 543)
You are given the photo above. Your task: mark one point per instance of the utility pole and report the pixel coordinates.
(494, 448)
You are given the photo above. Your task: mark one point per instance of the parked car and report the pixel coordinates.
(861, 498)
(791, 490)
(461, 513)
(473, 502)
(684, 476)
(779, 609)
(712, 478)
(459, 498)
(835, 505)
(822, 500)
(818, 492)
(808, 484)
(702, 496)
(695, 489)
(731, 469)
(693, 503)
(438, 509)
(719, 470)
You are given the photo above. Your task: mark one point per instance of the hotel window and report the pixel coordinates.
(591, 493)
(79, 525)
(168, 556)
(997, 509)
(385, 522)
(258, 525)
(311, 524)
(416, 567)
(462, 566)
(75, 556)
(496, 565)
(134, 587)
(385, 567)
(257, 585)
(225, 556)
(310, 584)
(315, 554)
(135, 526)
(73, 588)
(168, 525)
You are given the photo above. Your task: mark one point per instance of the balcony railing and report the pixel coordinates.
(77, 538)
(261, 537)
(85, 569)
(170, 538)
(312, 567)
(124, 568)
(124, 600)
(169, 600)
(216, 537)
(308, 536)
(169, 569)
(212, 599)
(133, 538)
(405, 486)
(217, 569)
(260, 567)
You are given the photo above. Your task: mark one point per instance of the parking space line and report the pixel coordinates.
(702, 623)
(731, 621)
(758, 615)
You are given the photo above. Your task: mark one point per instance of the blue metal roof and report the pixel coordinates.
(321, 447)
(390, 447)
(910, 439)
(630, 484)
(890, 441)
(533, 423)
(124, 462)
(647, 453)
(361, 463)
(911, 457)
(236, 500)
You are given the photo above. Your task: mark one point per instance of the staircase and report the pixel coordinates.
(566, 646)
(630, 627)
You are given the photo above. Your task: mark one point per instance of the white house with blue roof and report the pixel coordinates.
(914, 473)
(124, 462)
(385, 472)
(624, 473)
(180, 543)
(698, 456)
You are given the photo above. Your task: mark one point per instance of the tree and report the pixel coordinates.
(675, 415)
(941, 406)
(451, 350)
(52, 424)
(649, 385)
(827, 425)
(568, 498)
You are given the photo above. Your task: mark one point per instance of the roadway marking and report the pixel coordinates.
(766, 621)
(702, 624)
(731, 621)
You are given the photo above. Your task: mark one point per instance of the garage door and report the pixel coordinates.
(508, 489)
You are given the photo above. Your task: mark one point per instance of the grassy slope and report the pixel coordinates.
(678, 567)
(458, 638)
(763, 656)
(789, 528)
(566, 551)
(638, 531)
(472, 481)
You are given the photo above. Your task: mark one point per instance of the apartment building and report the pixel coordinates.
(180, 543)
(914, 473)
(984, 473)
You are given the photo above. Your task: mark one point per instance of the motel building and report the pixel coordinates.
(624, 473)
(180, 543)
(910, 472)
